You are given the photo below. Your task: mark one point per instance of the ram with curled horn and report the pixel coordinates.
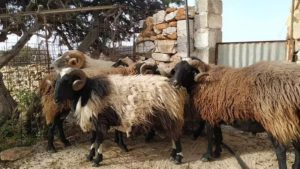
(264, 94)
(136, 101)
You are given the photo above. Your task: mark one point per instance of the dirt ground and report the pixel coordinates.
(256, 152)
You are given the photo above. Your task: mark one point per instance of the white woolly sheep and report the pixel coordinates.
(136, 100)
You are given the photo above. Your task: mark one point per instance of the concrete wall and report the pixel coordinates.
(208, 28)
(296, 27)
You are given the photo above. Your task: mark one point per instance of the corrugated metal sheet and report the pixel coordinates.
(241, 54)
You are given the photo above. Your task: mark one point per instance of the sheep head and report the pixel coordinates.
(186, 73)
(72, 58)
(125, 62)
(68, 84)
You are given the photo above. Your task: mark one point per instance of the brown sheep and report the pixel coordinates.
(267, 93)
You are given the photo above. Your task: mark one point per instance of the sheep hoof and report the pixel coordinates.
(51, 149)
(216, 154)
(206, 157)
(123, 147)
(91, 155)
(178, 159)
(97, 160)
(67, 143)
(173, 155)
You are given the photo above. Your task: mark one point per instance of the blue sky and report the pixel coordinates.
(251, 20)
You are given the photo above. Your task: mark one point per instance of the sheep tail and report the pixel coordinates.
(238, 158)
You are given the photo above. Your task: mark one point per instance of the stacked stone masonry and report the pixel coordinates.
(164, 35)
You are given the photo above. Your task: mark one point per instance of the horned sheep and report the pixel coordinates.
(267, 93)
(136, 100)
(55, 115)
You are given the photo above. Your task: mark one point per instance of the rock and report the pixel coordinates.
(180, 15)
(181, 28)
(171, 16)
(148, 28)
(161, 37)
(207, 37)
(15, 153)
(165, 68)
(162, 57)
(159, 17)
(169, 10)
(211, 20)
(157, 31)
(192, 12)
(172, 36)
(153, 38)
(165, 46)
(145, 47)
(161, 26)
(175, 58)
(297, 30)
(150, 60)
(173, 24)
(212, 6)
(169, 30)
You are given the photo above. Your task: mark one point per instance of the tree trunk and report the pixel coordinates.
(91, 37)
(7, 103)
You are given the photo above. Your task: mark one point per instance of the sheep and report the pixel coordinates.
(55, 116)
(77, 59)
(266, 93)
(136, 100)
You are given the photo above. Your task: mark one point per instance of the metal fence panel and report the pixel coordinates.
(241, 54)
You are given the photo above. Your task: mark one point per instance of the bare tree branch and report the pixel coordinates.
(9, 55)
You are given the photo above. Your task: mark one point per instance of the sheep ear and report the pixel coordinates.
(201, 77)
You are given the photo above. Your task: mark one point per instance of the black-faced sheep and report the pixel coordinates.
(267, 93)
(136, 100)
(55, 115)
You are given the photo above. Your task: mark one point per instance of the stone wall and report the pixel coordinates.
(164, 35)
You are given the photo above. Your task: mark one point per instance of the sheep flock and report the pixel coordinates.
(263, 97)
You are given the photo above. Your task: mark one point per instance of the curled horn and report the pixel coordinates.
(78, 84)
(202, 68)
(77, 59)
(198, 64)
(146, 66)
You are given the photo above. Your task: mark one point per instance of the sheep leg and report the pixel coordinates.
(98, 147)
(149, 135)
(209, 134)
(100, 127)
(91, 155)
(176, 153)
(116, 136)
(120, 142)
(51, 129)
(218, 141)
(296, 164)
(199, 130)
(61, 132)
(280, 151)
